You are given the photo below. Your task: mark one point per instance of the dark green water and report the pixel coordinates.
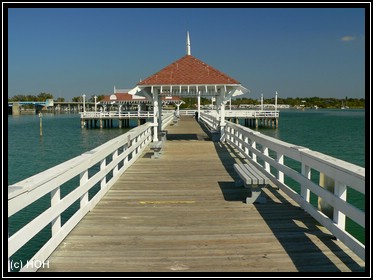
(338, 133)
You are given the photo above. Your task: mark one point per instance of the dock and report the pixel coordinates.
(182, 212)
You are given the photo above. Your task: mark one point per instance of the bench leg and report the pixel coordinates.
(255, 197)
(157, 154)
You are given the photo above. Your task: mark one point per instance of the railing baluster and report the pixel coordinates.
(55, 199)
(280, 160)
(253, 145)
(340, 190)
(115, 169)
(266, 164)
(83, 180)
(304, 191)
(102, 167)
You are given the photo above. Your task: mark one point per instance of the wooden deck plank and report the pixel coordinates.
(182, 212)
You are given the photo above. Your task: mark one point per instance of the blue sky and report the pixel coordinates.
(298, 52)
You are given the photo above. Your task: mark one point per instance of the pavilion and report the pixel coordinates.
(128, 98)
(189, 77)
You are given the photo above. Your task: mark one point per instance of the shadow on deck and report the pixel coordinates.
(309, 245)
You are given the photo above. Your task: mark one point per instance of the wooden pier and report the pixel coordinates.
(183, 213)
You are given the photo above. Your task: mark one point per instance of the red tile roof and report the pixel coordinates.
(188, 70)
(119, 97)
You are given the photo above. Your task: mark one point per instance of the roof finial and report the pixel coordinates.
(188, 44)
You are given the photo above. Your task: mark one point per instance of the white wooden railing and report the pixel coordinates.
(116, 114)
(257, 148)
(167, 119)
(150, 114)
(109, 159)
(251, 114)
(210, 120)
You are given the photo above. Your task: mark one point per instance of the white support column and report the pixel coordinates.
(276, 104)
(199, 105)
(155, 117)
(159, 113)
(222, 113)
(222, 117)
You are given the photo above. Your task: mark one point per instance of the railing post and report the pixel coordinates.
(339, 218)
(266, 164)
(280, 160)
(246, 141)
(305, 192)
(328, 184)
(102, 167)
(253, 145)
(83, 180)
(55, 199)
(115, 169)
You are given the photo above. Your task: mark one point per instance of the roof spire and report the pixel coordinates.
(188, 44)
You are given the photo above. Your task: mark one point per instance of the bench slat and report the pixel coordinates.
(243, 173)
(250, 174)
(256, 178)
(261, 177)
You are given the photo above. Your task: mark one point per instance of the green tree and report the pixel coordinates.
(77, 99)
(44, 96)
(60, 99)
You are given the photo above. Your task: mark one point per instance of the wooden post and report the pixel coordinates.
(41, 123)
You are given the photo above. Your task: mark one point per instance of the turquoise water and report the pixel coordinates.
(338, 133)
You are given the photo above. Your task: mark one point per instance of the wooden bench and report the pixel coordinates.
(249, 177)
(157, 146)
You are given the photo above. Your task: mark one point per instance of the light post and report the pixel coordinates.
(83, 104)
(262, 102)
(95, 97)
